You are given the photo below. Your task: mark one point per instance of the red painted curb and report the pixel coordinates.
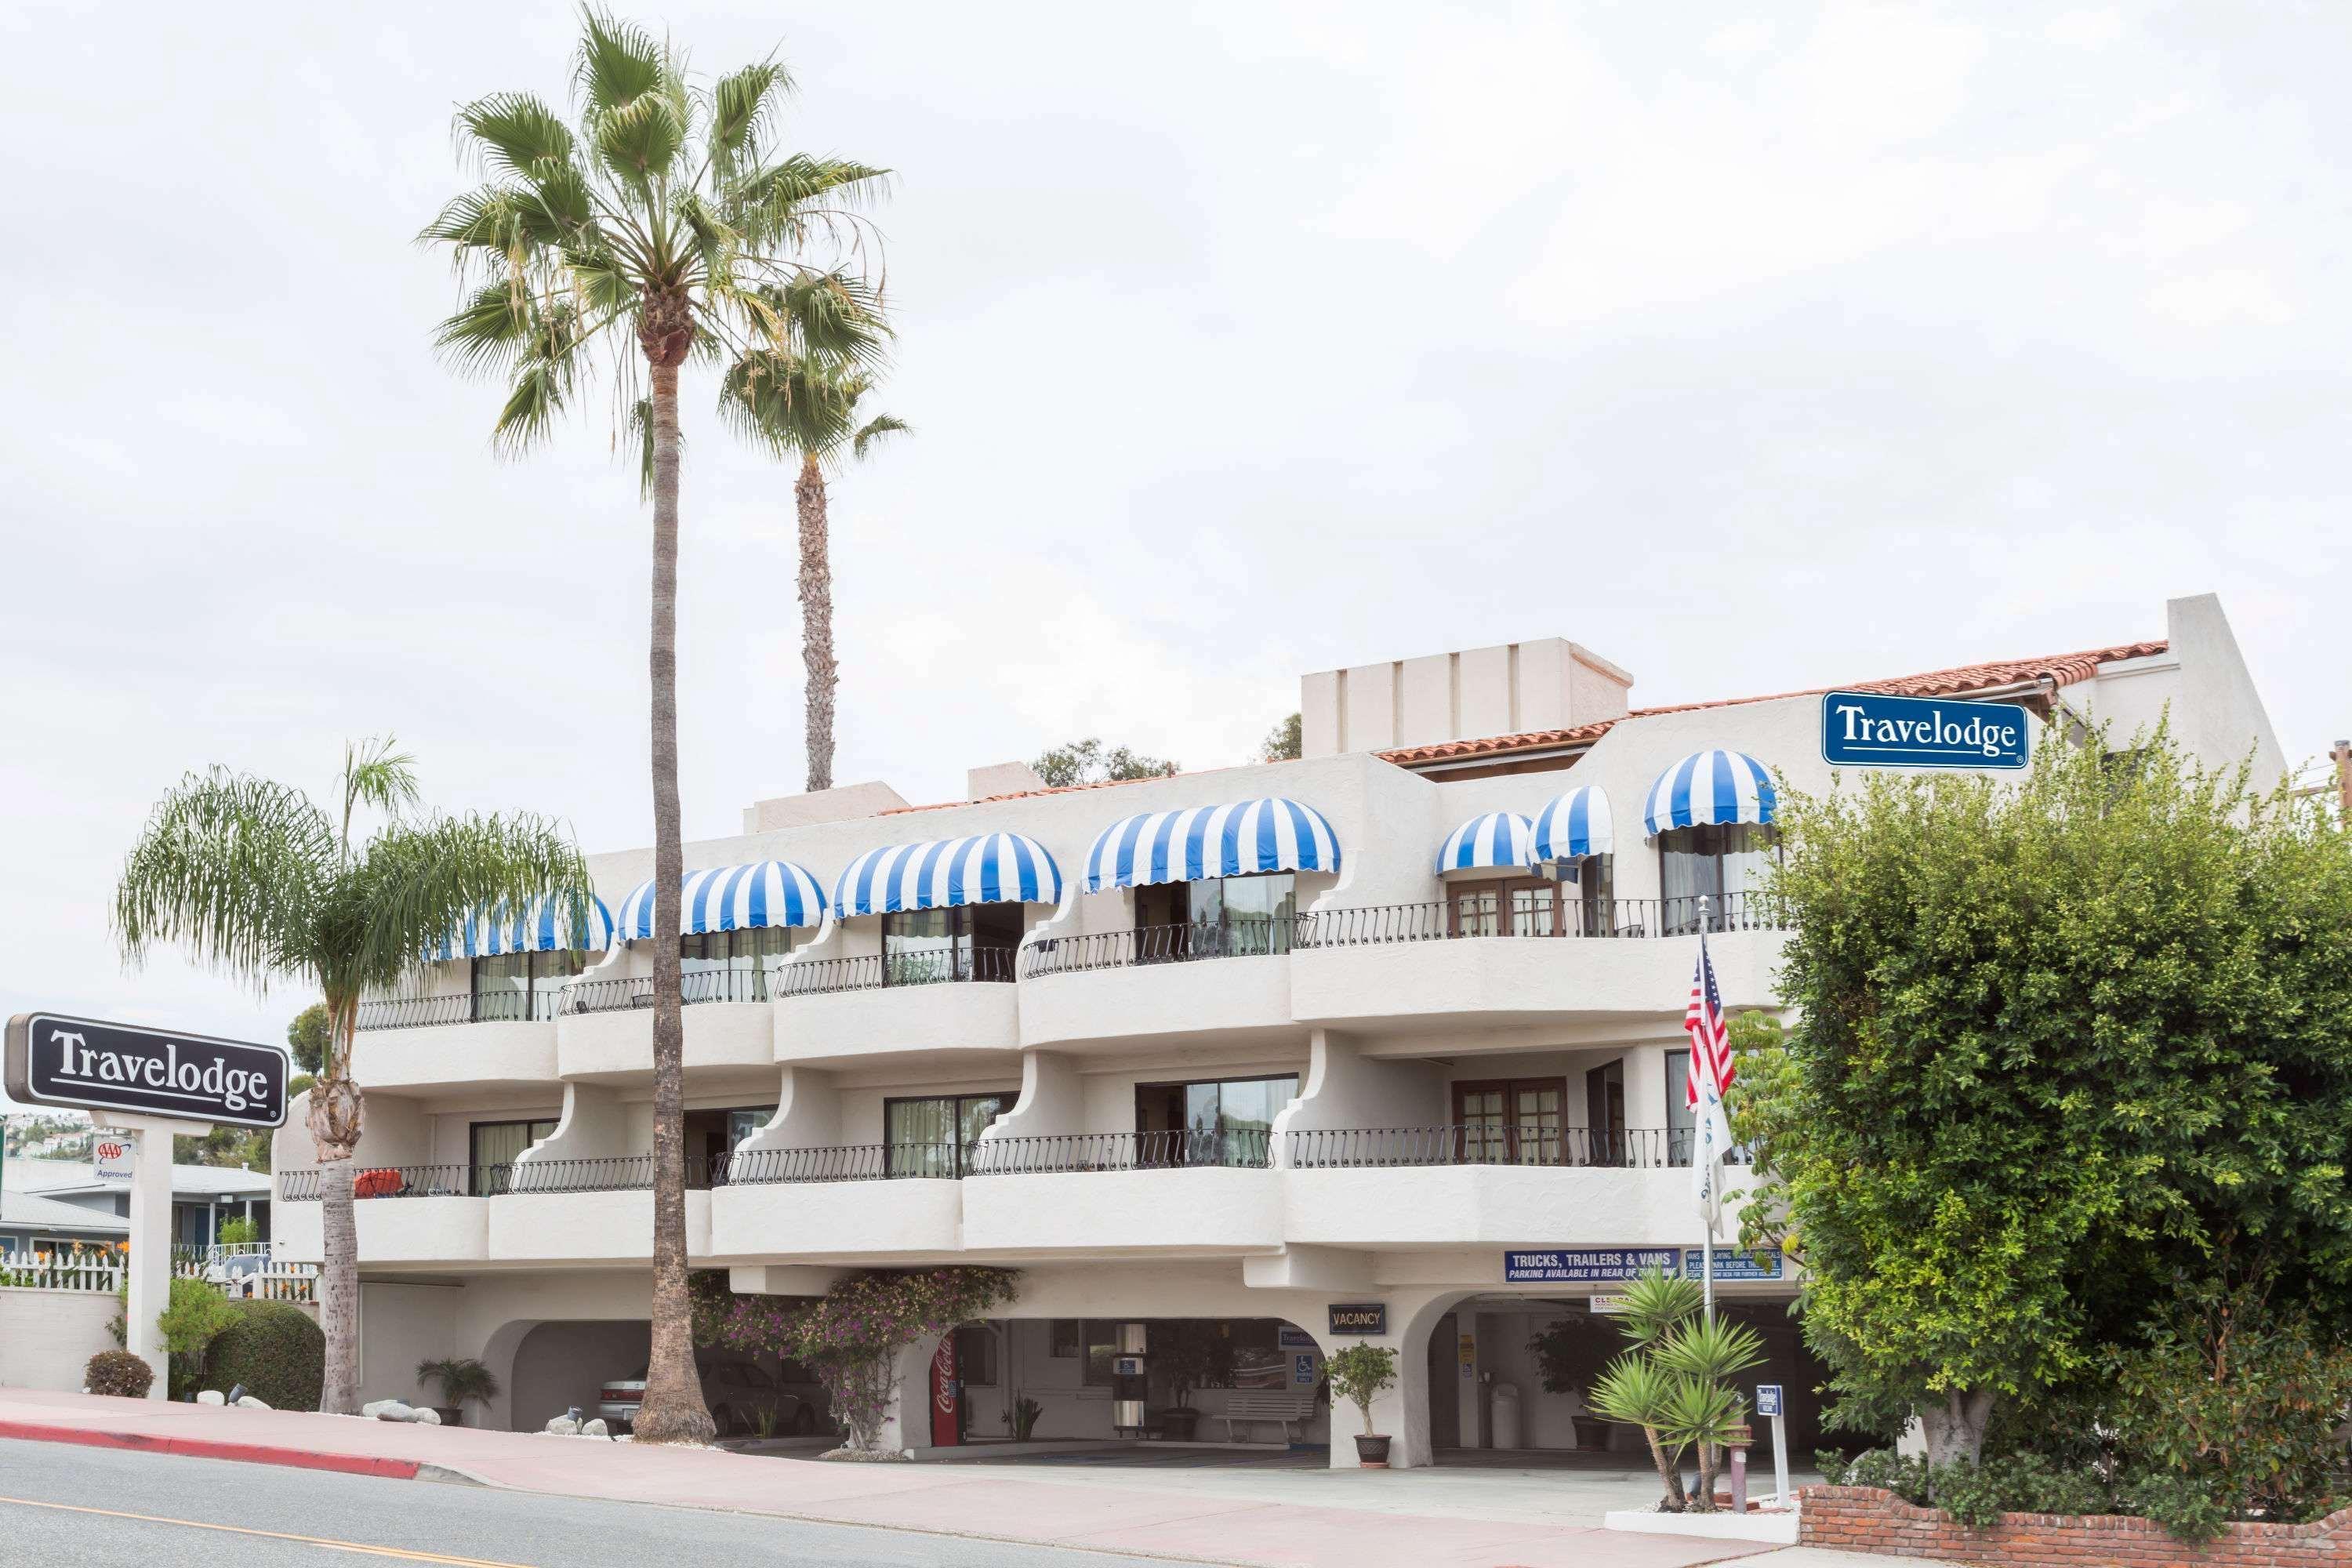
(209, 1448)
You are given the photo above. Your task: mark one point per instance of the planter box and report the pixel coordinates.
(1865, 1519)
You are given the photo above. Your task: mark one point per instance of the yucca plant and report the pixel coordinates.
(1704, 1357)
(659, 223)
(1636, 1391)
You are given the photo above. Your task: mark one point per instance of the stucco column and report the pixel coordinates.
(907, 1419)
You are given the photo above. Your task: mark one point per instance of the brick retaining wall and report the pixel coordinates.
(1865, 1518)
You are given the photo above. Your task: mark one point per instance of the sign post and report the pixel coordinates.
(143, 1088)
(1767, 1402)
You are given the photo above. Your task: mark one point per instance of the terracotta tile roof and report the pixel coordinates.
(2062, 668)
(1026, 794)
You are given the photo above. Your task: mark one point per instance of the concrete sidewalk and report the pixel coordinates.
(1200, 1524)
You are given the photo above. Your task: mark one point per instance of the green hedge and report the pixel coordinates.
(275, 1349)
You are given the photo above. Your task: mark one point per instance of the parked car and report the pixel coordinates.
(739, 1392)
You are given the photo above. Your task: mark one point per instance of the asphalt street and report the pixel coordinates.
(63, 1507)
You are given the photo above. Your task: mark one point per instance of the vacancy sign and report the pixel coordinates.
(115, 1157)
(86, 1065)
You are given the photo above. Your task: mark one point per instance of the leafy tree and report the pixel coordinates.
(262, 884)
(1285, 742)
(1085, 762)
(2064, 1045)
(307, 1037)
(663, 219)
(804, 407)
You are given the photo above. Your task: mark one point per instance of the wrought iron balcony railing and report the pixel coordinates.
(1063, 1152)
(843, 1162)
(1478, 1144)
(1241, 936)
(879, 971)
(1444, 920)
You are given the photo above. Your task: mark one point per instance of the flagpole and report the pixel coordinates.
(1706, 1243)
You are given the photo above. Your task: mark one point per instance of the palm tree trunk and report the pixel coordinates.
(816, 622)
(334, 1118)
(1707, 1460)
(674, 1411)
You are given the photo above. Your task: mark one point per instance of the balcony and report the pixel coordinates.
(1123, 1193)
(1159, 982)
(948, 1006)
(605, 1027)
(586, 1211)
(1412, 966)
(853, 1202)
(442, 1220)
(495, 1039)
(1488, 1185)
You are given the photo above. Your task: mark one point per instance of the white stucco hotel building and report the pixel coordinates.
(1228, 1045)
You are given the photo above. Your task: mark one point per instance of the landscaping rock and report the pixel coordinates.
(563, 1426)
(212, 1397)
(595, 1427)
(389, 1410)
(866, 1457)
(250, 1402)
(425, 1416)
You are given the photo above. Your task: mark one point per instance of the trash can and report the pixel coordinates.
(1507, 1415)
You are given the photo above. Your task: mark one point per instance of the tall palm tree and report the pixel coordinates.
(804, 407)
(661, 215)
(261, 883)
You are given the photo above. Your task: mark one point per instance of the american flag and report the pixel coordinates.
(1710, 1037)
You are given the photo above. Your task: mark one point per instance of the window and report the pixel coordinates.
(1680, 1116)
(1595, 898)
(744, 1122)
(934, 1136)
(1064, 1338)
(1217, 917)
(1719, 864)
(970, 942)
(732, 966)
(1511, 905)
(1512, 1121)
(515, 986)
(1102, 1350)
(492, 1147)
(1605, 1113)
(1227, 1122)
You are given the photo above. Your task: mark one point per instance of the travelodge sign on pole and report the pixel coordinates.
(121, 1069)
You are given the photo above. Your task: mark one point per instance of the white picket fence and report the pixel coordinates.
(102, 1272)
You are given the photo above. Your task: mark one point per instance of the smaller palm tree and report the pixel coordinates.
(805, 405)
(256, 881)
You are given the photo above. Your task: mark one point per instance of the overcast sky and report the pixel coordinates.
(1801, 346)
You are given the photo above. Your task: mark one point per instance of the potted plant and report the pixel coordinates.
(1191, 1354)
(1360, 1374)
(1022, 1418)
(461, 1378)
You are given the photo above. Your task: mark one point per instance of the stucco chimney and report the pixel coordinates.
(1506, 689)
(843, 803)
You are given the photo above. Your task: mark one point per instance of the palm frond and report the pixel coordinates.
(1697, 1411)
(875, 429)
(640, 138)
(618, 62)
(1717, 1352)
(515, 131)
(379, 776)
(742, 111)
(494, 328)
(234, 868)
(417, 881)
(833, 314)
(1656, 1302)
(540, 391)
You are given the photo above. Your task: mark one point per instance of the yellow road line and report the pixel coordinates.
(403, 1553)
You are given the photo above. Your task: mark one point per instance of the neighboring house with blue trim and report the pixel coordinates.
(204, 1199)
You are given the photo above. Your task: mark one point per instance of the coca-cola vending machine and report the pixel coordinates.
(946, 1397)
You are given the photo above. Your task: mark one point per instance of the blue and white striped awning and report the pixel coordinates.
(544, 925)
(755, 897)
(1241, 839)
(1574, 826)
(1498, 838)
(1711, 788)
(989, 869)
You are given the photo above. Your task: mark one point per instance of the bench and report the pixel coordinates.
(1287, 1408)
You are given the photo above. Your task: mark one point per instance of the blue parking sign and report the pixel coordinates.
(1768, 1399)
